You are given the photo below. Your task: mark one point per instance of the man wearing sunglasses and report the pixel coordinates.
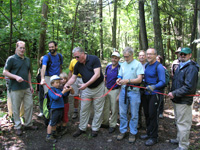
(184, 83)
(89, 66)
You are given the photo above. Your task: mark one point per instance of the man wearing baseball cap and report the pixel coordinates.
(184, 83)
(175, 62)
(111, 100)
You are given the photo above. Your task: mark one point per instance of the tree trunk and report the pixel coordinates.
(101, 29)
(194, 26)
(41, 50)
(158, 44)
(74, 28)
(118, 37)
(20, 11)
(58, 24)
(143, 32)
(11, 31)
(114, 26)
(53, 20)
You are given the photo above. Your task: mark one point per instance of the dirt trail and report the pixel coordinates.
(35, 140)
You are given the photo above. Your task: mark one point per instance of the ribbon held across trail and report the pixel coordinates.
(36, 83)
(86, 99)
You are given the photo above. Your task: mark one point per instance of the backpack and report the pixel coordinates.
(167, 76)
(50, 62)
(47, 107)
(107, 69)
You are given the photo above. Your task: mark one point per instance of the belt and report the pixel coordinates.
(114, 88)
(126, 90)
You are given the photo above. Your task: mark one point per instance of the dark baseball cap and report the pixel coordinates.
(186, 50)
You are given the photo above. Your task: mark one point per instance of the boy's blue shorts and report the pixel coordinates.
(56, 116)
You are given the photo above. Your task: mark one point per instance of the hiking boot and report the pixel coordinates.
(78, 133)
(131, 138)
(50, 139)
(18, 132)
(94, 133)
(120, 136)
(144, 137)
(173, 141)
(75, 115)
(111, 130)
(151, 142)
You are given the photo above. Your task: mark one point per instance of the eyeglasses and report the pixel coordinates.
(126, 56)
(183, 54)
(76, 57)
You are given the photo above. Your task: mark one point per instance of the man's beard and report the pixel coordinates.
(52, 51)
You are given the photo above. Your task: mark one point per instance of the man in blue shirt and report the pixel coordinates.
(154, 81)
(111, 99)
(130, 73)
(51, 65)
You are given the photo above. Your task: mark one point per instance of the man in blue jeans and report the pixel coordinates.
(130, 73)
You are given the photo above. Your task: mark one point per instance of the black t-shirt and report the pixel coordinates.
(87, 70)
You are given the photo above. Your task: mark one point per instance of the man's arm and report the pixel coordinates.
(69, 74)
(29, 79)
(71, 81)
(43, 70)
(12, 76)
(92, 80)
(161, 77)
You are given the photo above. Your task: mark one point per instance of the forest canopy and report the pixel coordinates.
(99, 26)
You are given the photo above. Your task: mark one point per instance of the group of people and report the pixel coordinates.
(120, 83)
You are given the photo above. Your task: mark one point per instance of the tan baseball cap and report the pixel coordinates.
(116, 54)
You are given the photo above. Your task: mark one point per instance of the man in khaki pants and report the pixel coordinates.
(89, 66)
(111, 100)
(9, 103)
(17, 68)
(184, 83)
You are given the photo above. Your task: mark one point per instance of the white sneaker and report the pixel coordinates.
(40, 114)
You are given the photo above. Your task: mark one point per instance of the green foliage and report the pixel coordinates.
(2, 113)
(60, 25)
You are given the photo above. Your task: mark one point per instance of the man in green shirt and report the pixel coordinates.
(17, 68)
